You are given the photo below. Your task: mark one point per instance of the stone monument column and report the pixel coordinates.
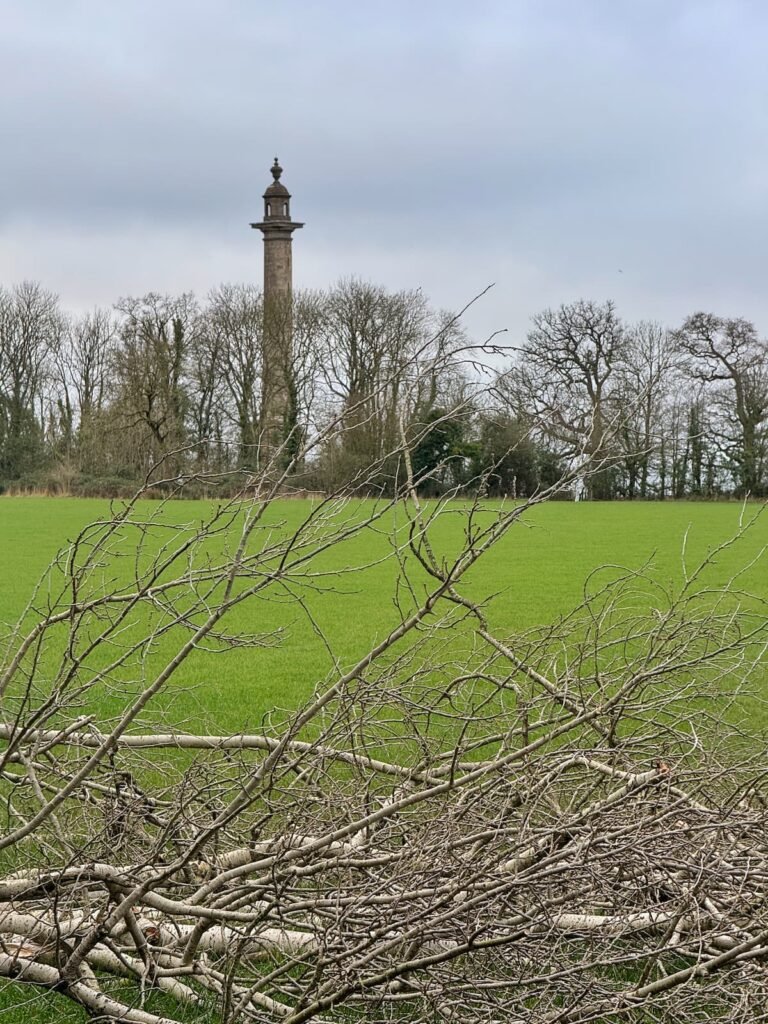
(277, 392)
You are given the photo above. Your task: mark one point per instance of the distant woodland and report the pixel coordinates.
(174, 386)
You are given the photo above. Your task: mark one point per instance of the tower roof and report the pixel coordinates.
(277, 221)
(276, 188)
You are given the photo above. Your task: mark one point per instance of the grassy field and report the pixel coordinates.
(537, 572)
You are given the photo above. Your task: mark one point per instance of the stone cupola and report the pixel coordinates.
(277, 198)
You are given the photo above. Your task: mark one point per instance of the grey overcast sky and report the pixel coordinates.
(556, 148)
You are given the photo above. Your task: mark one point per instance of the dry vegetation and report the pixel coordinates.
(460, 826)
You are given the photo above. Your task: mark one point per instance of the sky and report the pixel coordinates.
(555, 149)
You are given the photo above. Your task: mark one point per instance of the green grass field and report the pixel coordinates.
(537, 573)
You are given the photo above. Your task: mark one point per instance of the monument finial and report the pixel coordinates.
(277, 170)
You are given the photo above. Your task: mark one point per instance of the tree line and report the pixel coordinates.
(90, 403)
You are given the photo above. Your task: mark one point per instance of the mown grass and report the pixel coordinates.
(537, 572)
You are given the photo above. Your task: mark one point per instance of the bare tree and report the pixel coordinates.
(207, 405)
(30, 330)
(150, 364)
(306, 377)
(564, 375)
(371, 339)
(82, 364)
(727, 355)
(235, 315)
(646, 375)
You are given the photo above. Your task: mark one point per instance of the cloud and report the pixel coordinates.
(543, 145)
